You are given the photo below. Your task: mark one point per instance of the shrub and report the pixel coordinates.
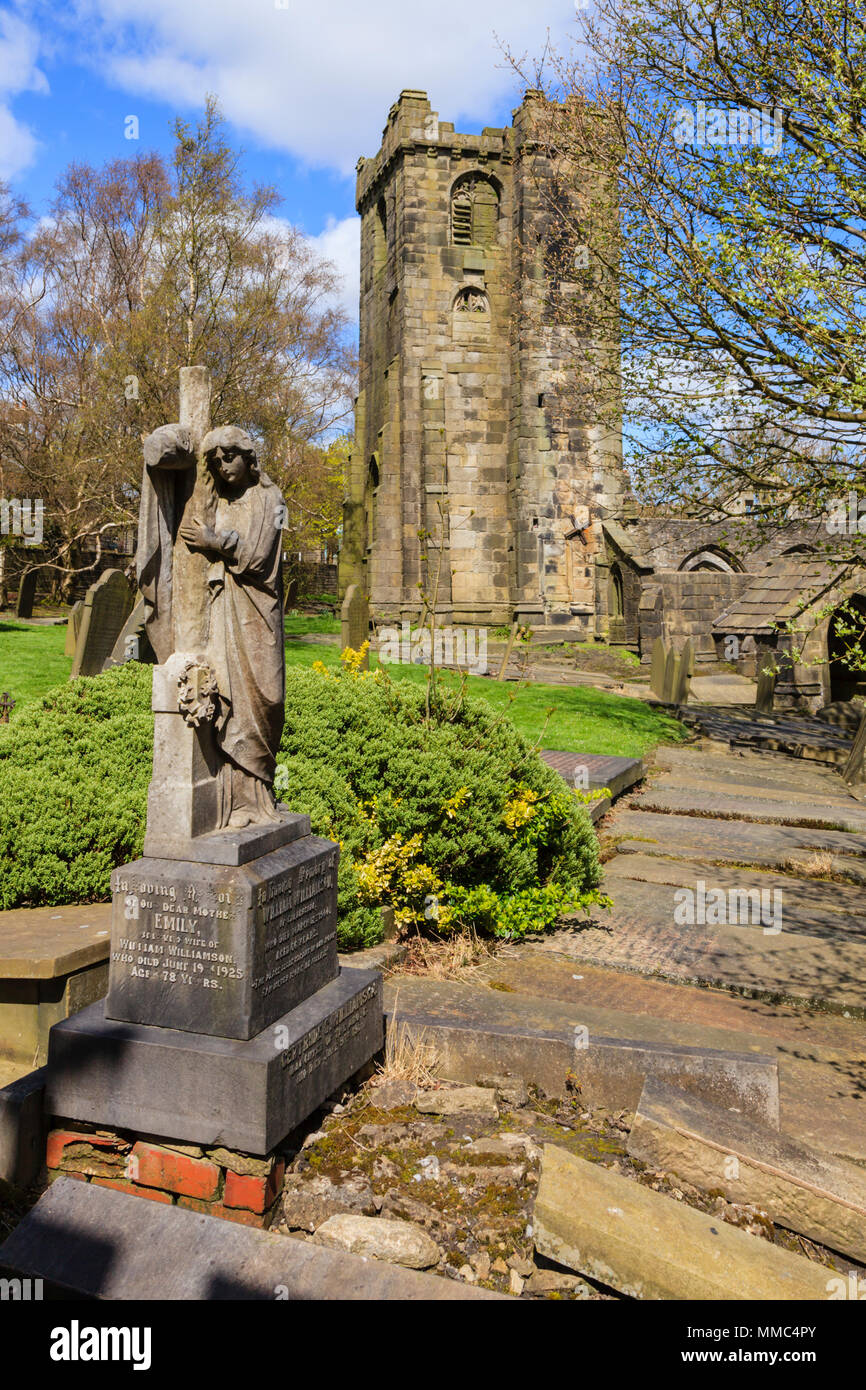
(428, 812)
(74, 769)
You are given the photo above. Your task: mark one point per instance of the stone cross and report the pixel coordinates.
(7, 705)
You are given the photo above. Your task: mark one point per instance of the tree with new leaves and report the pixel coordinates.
(736, 286)
(733, 141)
(143, 267)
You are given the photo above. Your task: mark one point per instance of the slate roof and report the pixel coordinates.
(783, 589)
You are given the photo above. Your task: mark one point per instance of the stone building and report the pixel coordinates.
(474, 477)
(480, 479)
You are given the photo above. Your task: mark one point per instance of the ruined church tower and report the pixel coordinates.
(473, 474)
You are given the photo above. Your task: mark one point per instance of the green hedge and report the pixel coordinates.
(425, 811)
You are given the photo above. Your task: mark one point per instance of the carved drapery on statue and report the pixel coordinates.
(226, 511)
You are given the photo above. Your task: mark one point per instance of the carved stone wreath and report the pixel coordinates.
(197, 692)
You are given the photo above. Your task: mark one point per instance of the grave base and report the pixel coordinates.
(217, 1181)
(215, 1091)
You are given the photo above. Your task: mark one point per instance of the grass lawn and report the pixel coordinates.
(31, 660)
(572, 718)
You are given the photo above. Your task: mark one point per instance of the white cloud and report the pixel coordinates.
(340, 243)
(19, 50)
(316, 79)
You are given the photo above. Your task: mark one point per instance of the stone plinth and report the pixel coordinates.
(215, 1091)
(220, 949)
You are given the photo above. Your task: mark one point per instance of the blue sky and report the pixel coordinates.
(305, 85)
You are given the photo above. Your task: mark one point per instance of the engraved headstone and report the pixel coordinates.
(355, 621)
(26, 595)
(766, 691)
(657, 668)
(682, 681)
(73, 626)
(107, 606)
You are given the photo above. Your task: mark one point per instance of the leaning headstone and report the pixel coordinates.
(73, 627)
(133, 643)
(683, 677)
(26, 595)
(766, 691)
(107, 606)
(355, 621)
(854, 771)
(670, 676)
(657, 669)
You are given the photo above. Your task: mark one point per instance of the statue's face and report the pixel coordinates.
(231, 465)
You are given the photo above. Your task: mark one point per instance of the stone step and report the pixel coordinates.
(751, 784)
(717, 1150)
(754, 768)
(117, 1247)
(815, 901)
(732, 841)
(476, 1030)
(749, 901)
(687, 800)
(646, 1245)
(821, 1056)
(798, 968)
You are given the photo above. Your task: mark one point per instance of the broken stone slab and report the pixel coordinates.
(96, 1242)
(814, 1193)
(646, 1245)
(475, 1029)
(398, 1242)
(468, 1100)
(22, 1129)
(612, 1072)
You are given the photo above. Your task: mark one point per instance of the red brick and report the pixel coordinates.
(86, 1153)
(243, 1218)
(173, 1172)
(255, 1194)
(121, 1185)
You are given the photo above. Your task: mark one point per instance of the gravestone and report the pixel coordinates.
(854, 772)
(355, 621)
(766, 691)
(73, 627)
(26, 595)
(227, 1013)
(657, 668)
(133, 643)
(682, 680)
(107, 605)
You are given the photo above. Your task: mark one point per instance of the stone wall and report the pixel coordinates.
(682, 605)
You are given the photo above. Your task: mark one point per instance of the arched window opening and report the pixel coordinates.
(474, 211)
